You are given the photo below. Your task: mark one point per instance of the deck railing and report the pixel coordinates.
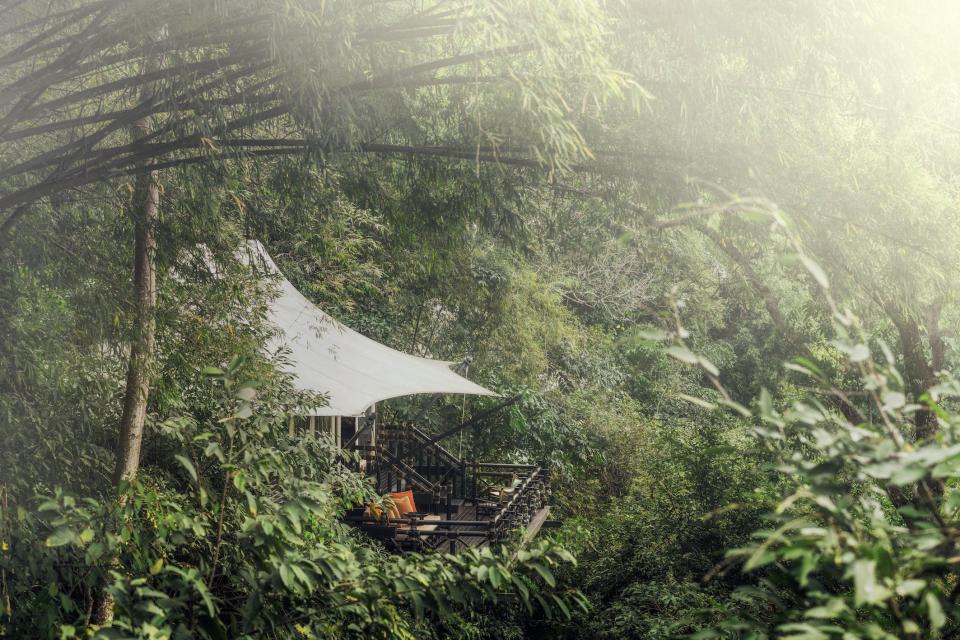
(479, 502)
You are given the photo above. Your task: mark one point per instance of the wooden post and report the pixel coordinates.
(453, 541)
(370, 423)
(476, 471)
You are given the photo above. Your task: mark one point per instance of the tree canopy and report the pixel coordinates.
(708, 245)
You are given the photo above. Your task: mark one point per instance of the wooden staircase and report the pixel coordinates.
(478, 503)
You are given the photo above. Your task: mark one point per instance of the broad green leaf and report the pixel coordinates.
(697, 401)
(61, 536)
(545, 573)
(801, 631)
(816, 271)
(910, 587)
(833, 608)
(682, 354)
(736, 406)
(765, 403)
(708, 366)
(654, 335)
(94, 552)
(893, 400)
(286, 576)
(866, 588)
(859, 353)
(247, 393)
(935, 610)
(185, 462)
(908, 475)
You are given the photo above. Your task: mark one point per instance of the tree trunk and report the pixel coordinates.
(787, 333)
(918, 374)
(146, 203)
(937, 346)
(145, 209)
(753, 279)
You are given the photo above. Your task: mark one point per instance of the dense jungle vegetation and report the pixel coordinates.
(712, 244)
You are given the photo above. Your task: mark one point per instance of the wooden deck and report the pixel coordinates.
(469, 512)
(434, 535)
(486, 501)
(449, 539)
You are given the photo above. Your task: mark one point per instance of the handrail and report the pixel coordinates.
(407, 470)
(452, 464)
(415, 521)
(428, 466)
(516, 496)
(425, 439)
(509, 465)
(356, 436)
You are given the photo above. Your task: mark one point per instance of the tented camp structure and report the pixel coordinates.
(437, 499)
(355, 371)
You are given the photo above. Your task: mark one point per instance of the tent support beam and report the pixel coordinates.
(359, 432)
(369, 420)
(475, 419)
(460, 369)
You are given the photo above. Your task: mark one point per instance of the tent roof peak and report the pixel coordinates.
(352, 370)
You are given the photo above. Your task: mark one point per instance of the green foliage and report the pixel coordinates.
(240, 536)
(865, 537)
(695, 490)
(465, 180)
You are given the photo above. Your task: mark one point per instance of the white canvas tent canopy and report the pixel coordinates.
(352, 370)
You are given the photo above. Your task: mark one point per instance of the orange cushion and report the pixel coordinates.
(393, 511)
(404, 501)
(377, 512)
